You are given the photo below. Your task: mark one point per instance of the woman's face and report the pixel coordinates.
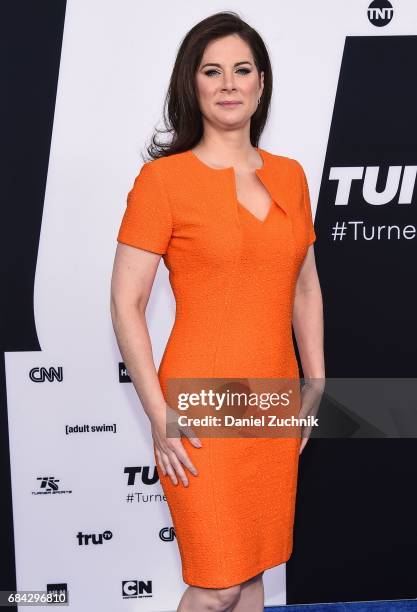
(227, 72)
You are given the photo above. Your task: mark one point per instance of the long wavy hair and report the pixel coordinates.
(181, 114)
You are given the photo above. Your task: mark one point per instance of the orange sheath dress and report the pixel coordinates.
(233, 278)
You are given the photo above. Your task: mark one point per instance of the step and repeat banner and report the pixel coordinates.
(83, 511)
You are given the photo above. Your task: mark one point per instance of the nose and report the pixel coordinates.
(228, 81)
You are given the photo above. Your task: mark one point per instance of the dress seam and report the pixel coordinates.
(219, 337)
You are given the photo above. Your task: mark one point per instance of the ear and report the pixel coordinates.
(262, 82)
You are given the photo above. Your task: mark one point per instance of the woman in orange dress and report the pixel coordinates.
(234, 227)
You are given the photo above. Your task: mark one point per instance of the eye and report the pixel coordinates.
(210, 72)
(213, 71)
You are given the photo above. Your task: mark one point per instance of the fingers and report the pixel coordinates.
(182, 455)
(195, 442)
(302, 445)
(171, 460)
(189, 432)
(176, 465)
(169, 468)
(170, 452)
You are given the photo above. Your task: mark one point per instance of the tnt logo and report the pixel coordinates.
(380, 13)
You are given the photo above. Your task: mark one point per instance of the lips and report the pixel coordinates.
(229, 103)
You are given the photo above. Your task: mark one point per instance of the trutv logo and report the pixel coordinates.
(85, 539)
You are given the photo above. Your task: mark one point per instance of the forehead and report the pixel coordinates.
(227, 48)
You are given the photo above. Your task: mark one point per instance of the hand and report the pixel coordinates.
(311, 396)
(170, 452)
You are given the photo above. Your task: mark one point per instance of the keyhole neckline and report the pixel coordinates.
(231, 170)
(228, 168)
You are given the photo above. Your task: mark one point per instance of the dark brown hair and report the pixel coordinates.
(182, 115)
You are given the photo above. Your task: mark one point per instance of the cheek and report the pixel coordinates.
(250, 87)
(204, 86)
(207, 95)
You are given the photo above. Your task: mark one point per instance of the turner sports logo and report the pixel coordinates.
(48, 485)
(380, 13)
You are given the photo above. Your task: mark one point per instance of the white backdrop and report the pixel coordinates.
(114, 72)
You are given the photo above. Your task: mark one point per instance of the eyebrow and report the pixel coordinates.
(219, 65)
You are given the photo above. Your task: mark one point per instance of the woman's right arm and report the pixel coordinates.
(133, 275)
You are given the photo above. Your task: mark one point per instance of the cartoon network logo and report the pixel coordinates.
(132, 589)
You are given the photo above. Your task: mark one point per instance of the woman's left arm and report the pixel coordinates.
(307, 318)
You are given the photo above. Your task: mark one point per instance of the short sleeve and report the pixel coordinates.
(147, 220)
(311, 234)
